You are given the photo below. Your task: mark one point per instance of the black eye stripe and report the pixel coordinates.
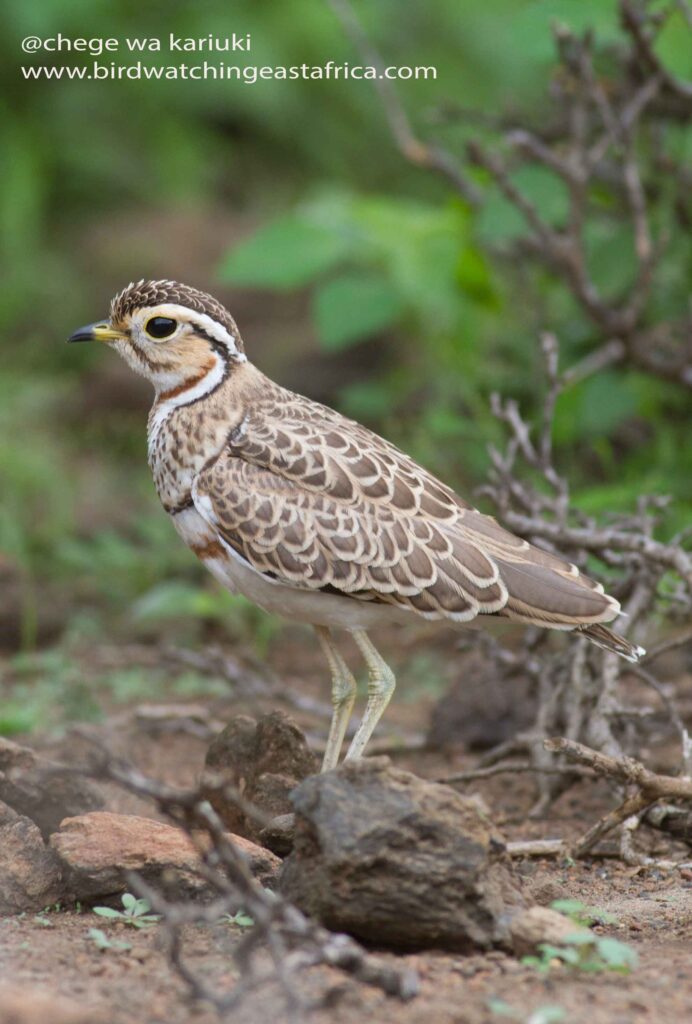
(161, 326)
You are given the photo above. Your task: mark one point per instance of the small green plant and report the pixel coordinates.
(586, 953)
(240, 918)
(102, 942)
(581, 914)
(547, 1014)
(135, 912)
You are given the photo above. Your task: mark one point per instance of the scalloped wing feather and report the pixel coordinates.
(317, 501)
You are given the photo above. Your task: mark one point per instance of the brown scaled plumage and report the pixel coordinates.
(316, 518)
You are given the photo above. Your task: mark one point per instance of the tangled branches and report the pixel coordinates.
(280, 932)
(578, 684)
(607, 136)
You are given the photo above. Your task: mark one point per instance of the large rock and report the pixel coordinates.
(24, 1005)
(41, 789)
(398, 861)
(99, 849)
(30, 875)
(263, 761)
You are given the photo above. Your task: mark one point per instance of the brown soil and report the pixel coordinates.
(51, 955)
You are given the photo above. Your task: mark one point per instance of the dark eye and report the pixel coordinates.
(161, 326)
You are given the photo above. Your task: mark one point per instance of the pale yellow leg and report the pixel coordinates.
(381, 683)
(343, 696)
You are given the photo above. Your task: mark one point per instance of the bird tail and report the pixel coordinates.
(603, 637)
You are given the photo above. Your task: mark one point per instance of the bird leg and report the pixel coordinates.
(381, 683)
(343, 696)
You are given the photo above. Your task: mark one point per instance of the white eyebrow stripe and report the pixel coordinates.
(207, 323)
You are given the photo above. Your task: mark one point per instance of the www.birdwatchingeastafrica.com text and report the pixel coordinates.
(248, 74)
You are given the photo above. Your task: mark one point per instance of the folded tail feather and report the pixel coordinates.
(603, 637)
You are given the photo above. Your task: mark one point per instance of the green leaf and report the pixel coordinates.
(616, 955)
(569, 907)
(102, 941)
(547, 1015)
(108, 912)
(501, 1009)
(130, 902)
(353, 307)
(241, 919)
(474, 277)
(287, 254)
(99, 937)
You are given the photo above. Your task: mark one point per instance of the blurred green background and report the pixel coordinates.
(354, 278)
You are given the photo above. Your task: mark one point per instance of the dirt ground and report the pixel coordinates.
(48, 959)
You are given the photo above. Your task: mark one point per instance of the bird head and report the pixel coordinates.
(169, 333)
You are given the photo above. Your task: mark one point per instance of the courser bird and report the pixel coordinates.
(314, 517)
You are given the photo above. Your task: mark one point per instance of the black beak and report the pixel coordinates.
(99, 331)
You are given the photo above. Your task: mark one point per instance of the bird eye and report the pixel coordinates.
(161, 327)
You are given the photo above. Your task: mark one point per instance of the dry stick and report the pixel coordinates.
(624, 769)
(516, 766)
(417, 152)
(634, 20)
(537, 848)
(651, 786)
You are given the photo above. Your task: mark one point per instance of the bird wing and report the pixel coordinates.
(313, 500)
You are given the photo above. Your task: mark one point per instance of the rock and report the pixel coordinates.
(20, 1006)
(398, 861)
(529, 928)
(279, 834)
(479, 710)
(264, 761)
(36, 787)
(98, 849)
(30, 876)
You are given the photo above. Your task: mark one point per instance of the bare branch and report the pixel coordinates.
(422, 154)
(634, 21)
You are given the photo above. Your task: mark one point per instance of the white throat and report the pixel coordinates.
(182, 395)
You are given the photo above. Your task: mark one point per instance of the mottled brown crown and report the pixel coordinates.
(156, 293)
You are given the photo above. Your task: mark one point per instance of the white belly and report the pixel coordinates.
(309, 606)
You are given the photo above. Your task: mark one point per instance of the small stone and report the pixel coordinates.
(546, 891)
(263, 761)
(529, 928)
(101, 847)
(30, 876)
(395, 860)
(36, 787)
(279, 834)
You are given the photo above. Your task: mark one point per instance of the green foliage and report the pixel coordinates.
(351, 307)
(52, 688)
(286, 254)
(240, 919)
(581, 914)
(585, 953)
(103, 943)
(135, 912)
(541, 1015)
